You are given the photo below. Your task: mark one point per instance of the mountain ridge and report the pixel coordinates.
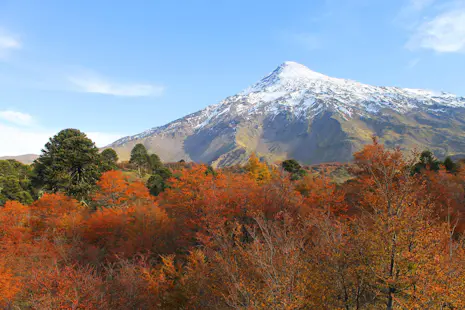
(296, 112)
(26, 159)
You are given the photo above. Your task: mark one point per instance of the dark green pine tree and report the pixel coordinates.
(450, 165)
(140, 158)
(210, 171)
(110, 159)
(160, 174)
(70, 163)
(291, 165)
(155, 162)
(294, 168)
(427, 161)
(156, 184)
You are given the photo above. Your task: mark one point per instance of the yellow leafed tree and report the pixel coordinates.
(259, 170)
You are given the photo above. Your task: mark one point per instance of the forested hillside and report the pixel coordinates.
(81, 230)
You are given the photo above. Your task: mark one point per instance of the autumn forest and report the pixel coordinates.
(81, 230)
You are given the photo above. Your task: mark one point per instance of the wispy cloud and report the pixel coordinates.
(17, 118)
(445, 33)
(420, 4)
(91, 83)
(413, 63)
(434, 25)
(8, 42)
(412, 13)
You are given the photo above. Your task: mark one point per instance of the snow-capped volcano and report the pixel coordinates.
(295, 88)
(290, 75)
(296, 103)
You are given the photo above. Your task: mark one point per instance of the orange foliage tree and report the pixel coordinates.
(56, 215)
(10, 286)
(128, 221)
(66, 287)
(322, 193)
(399, 239)
(201, 203)
(36, 237)
(113, 233)
(116, 191)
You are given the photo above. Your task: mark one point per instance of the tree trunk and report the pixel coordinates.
(390, 301)
(391, 289)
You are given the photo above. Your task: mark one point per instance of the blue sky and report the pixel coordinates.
(114, 68)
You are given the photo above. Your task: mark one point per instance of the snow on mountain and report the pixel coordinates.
(295, 88)
(296, 112)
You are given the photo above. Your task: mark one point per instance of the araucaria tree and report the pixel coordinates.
(140, 158)
(110, 158)
(70, 163)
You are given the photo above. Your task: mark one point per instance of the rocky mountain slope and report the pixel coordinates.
(295, 112)
(25, 159)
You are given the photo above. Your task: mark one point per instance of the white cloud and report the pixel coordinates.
(8, 42)
(102, 139)
(20, 140)
(98, 85)
(16, 117)
(445, 33)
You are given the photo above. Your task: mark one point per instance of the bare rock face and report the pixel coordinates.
(295, 112)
